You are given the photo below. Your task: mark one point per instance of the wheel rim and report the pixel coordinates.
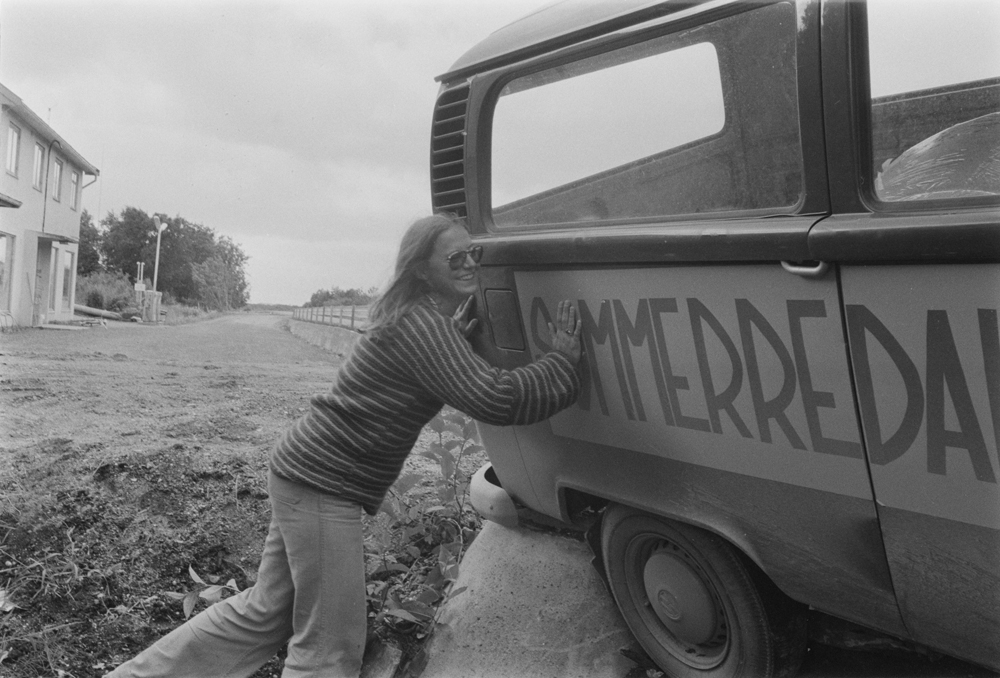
(677, 601)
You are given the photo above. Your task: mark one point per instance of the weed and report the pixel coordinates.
(211, 593)
(418, 548)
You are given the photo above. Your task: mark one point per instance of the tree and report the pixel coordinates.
(195, 266)
(89, 252)
(128, 239)
(338, 297)
(183, 243)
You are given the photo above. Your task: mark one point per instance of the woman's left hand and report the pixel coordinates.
(565, 333)
(465, 326)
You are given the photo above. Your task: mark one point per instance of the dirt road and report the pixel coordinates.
(130, 386)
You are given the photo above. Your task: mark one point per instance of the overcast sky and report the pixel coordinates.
(298, 128)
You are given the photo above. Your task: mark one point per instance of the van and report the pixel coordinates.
(780, 223)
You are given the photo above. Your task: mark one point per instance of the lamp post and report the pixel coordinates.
(156, 265)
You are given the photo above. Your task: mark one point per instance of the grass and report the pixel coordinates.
(180, 314)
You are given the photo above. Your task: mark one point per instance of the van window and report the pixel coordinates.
(703, 120)
(935, 108)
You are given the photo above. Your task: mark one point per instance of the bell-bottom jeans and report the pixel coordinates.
(310, 592)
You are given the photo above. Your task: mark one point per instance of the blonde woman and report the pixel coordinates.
(341, 457)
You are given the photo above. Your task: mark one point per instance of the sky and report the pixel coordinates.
(298, 128)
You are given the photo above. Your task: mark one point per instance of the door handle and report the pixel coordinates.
(818, 270)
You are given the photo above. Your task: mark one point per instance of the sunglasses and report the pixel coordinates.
(457, 259)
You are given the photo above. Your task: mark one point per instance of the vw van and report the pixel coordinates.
(780, 223)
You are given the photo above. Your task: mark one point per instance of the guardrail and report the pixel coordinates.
(351, 317)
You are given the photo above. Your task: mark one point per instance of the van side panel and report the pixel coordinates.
(719, 395)
(925, 350)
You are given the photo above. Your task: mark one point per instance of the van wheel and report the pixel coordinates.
(694, 603)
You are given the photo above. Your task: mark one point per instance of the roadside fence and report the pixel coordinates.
(351, 317)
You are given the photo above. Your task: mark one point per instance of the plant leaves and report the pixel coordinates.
(436, 424)
(174, 595)
(212, 593)
(403, 614)
(456, 429)
(232, 584)
(388, 509)
(190, 600)
(447, 465)
(455, 592)
(195, 577)
(5, 604)
(418, 609)
(406, 483)
(428, 596)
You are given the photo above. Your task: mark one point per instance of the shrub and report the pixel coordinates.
(95, 299)
(106, 290)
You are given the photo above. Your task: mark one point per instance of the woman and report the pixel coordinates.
(345, 453)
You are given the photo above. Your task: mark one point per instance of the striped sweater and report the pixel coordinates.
(354, 439)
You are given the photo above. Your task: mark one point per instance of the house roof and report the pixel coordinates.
(557, 25)
(13, 103)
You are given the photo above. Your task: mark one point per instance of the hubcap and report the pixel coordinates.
(679, 598)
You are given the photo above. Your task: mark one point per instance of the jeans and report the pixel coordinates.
(310, 591)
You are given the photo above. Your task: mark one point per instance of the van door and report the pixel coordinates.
(659, 180)
(919, 247)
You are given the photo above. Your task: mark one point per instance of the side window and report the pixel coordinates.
(37, 172)
(74, 189)
(57, 172)
(700, 121)
(13, 148)
(935, 107)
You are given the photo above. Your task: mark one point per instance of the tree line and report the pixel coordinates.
(338, 297)
(196, 266)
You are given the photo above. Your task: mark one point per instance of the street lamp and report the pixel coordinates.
(156, 264)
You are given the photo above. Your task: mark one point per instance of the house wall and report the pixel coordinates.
(44, 230)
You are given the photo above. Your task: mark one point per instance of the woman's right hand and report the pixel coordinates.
(566, 331)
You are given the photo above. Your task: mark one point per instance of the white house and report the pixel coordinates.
(41, 186)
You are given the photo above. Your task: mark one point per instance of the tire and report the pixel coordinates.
(697, 606)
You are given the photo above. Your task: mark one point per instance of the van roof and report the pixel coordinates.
(556, 25)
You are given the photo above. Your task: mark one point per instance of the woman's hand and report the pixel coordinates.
(566, 331)
(465, 326)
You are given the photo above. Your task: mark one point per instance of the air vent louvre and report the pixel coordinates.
(448, 152)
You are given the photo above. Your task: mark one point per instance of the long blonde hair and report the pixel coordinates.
(409, 284)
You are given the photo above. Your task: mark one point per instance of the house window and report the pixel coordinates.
(67, 280)
(6, 264)
(53, 272)
(36, 176)
(13, 148)
(74, 189)
(57, 181)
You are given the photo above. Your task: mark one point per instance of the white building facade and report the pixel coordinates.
(41, 189)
